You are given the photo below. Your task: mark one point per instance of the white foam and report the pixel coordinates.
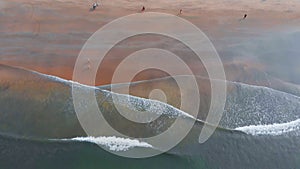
(152, 106)
(155, 106)
(271, 129)
(114, 143)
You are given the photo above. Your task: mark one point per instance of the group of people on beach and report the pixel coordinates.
(95, 5)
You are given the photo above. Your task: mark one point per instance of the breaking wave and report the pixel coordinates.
(249, 105)
(272, 129)
(114, 143)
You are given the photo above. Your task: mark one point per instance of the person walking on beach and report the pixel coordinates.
(95, 5)
(143, 9)
(180, 12)
(245, 16)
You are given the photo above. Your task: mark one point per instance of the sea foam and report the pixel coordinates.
(114, 143)
(271, 129)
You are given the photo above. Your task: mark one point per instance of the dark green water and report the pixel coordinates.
(29, 109)
(224, 150)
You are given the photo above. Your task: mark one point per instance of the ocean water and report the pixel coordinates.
(39, 129)
(223, 150)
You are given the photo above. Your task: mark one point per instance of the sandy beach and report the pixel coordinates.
(249, 120)
(47, 36)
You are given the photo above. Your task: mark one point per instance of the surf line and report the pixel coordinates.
(271, 129)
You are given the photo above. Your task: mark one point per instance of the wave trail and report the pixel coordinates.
(114, 143)
(271, 129)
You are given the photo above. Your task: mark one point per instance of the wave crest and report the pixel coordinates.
(272, 129)
(114, 143)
